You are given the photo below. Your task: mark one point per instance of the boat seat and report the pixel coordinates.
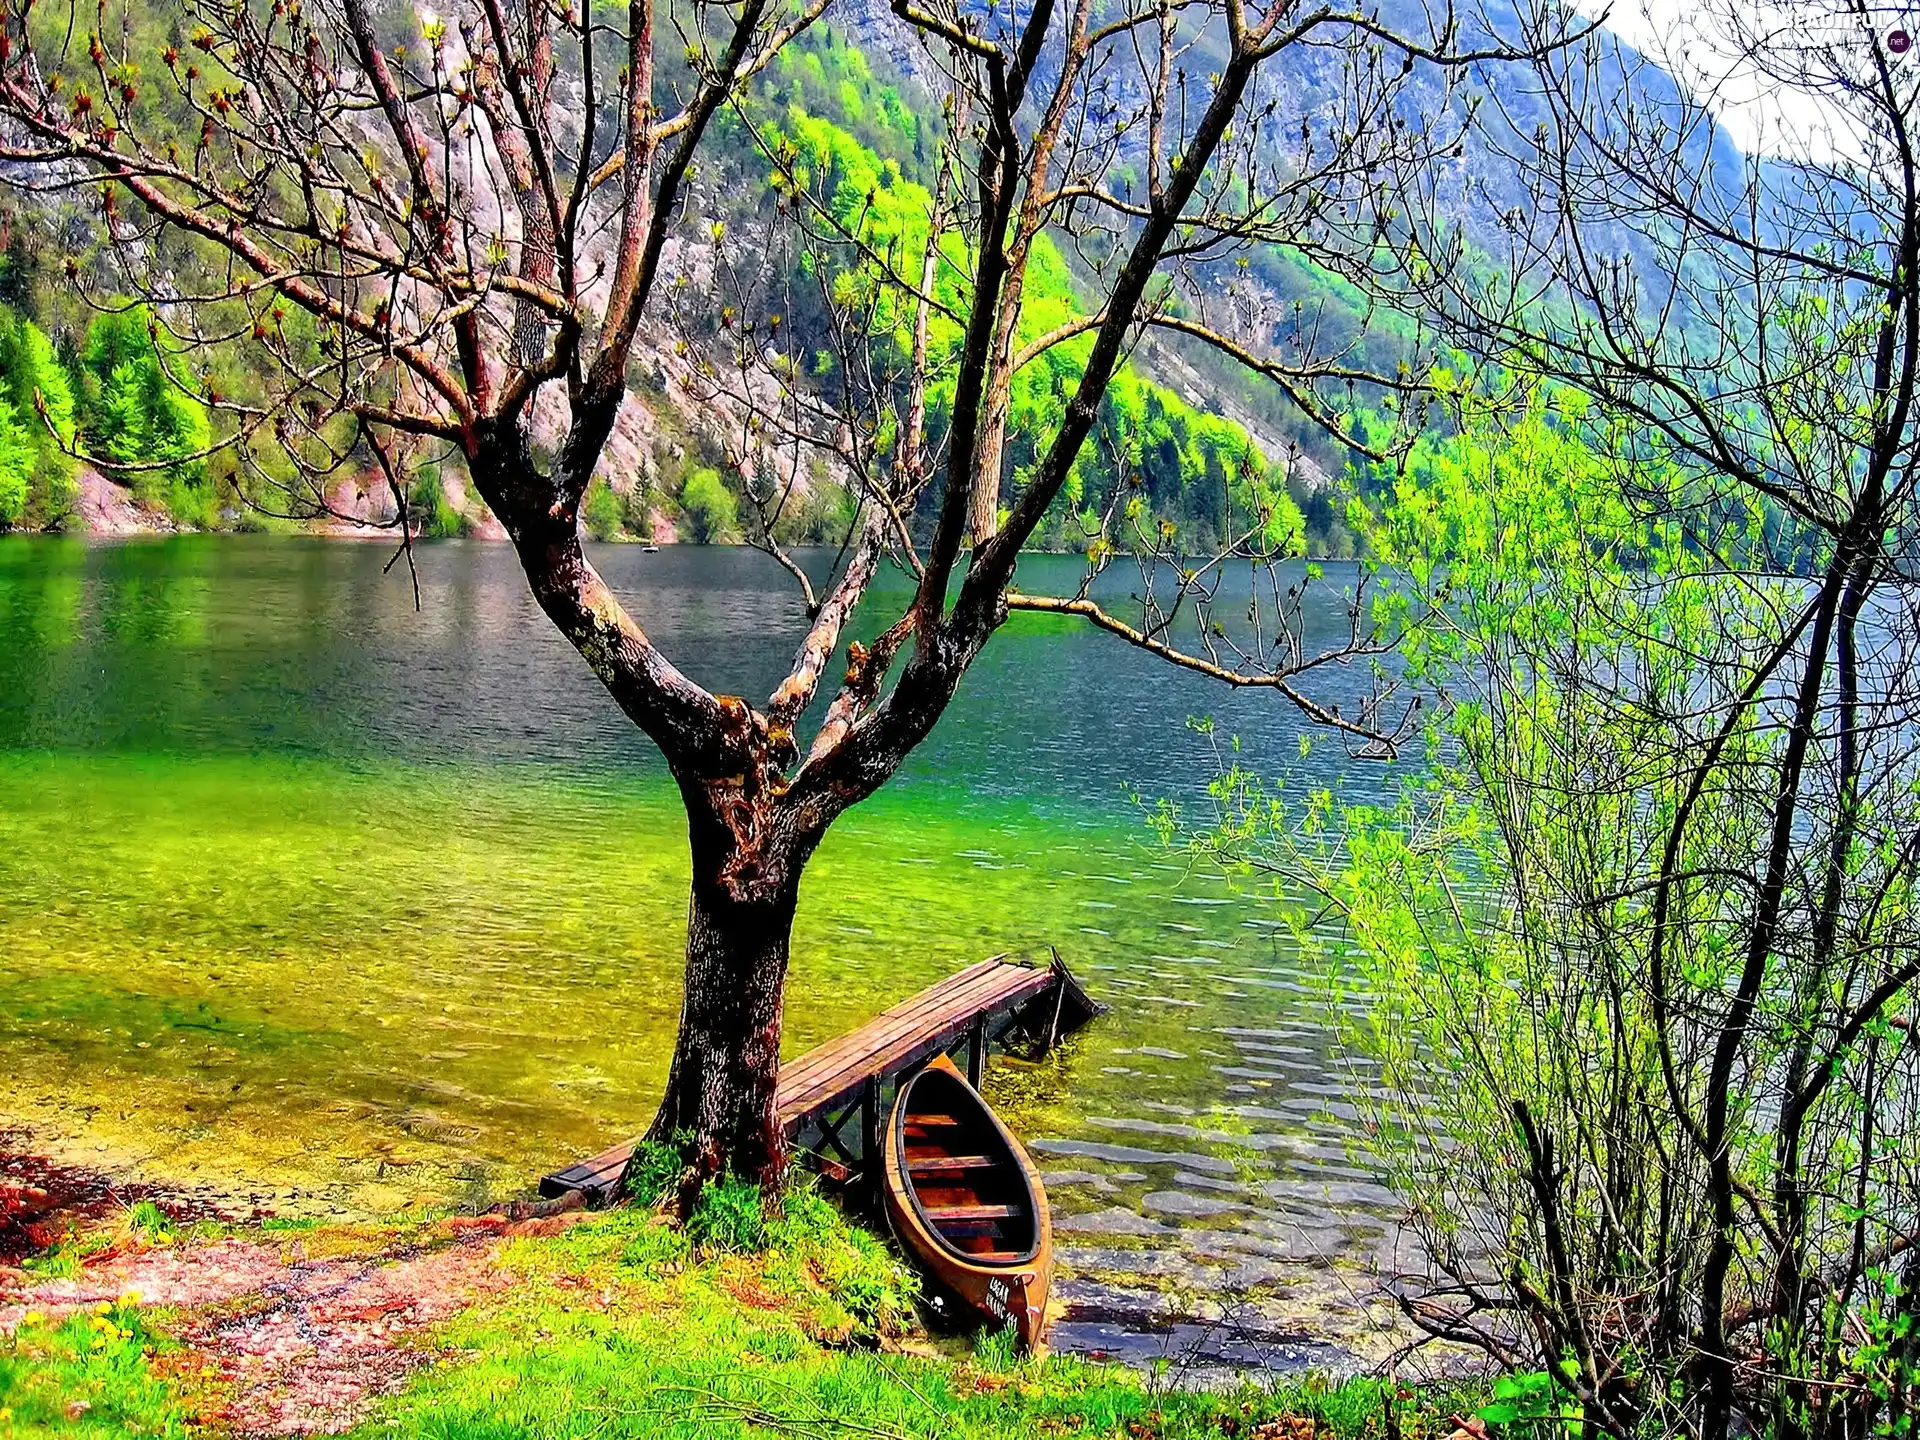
(934, 1164)
(932, 1122)
(944, 1215)
(997, 1257)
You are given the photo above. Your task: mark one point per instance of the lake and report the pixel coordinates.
(373, 906)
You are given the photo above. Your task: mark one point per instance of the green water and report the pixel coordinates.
(302, 887)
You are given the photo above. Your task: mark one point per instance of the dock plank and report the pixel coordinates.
(932, 1009)
(963, 992)
(887, 1048)
(895, 1041)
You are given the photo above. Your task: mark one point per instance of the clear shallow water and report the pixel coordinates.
(300, 884)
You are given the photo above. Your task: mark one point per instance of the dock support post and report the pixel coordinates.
(976, 1053)
(871, 1161)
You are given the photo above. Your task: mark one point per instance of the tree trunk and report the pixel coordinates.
(748, 848)
(719, 1105)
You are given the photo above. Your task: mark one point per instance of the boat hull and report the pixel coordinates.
(966, 1202)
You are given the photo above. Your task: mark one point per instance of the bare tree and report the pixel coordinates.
(427, 237)
(1690, 736)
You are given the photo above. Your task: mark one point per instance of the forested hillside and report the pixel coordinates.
(840, 125)
(123, 426)
(105, 387)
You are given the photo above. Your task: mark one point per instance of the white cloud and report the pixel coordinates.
(1762, 113)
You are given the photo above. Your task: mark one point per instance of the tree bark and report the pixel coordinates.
(747, 844)
(719, 1103)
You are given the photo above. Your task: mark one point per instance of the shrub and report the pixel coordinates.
(713, 515)
(436, 517)
(148, 1221)
(654, 1171)
(729, 1216)
(823, 516)
(603, 514)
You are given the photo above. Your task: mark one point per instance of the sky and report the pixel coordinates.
(1760, 116)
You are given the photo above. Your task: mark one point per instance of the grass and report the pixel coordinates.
(745, 1324)
(741, 1323)
(143, 1222)
(654, 1171)
(148, 1221)
(99, 1373)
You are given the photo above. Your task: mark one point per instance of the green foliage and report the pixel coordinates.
(616, 1327)
(16, 466)
(429, 508)
(1199, 472)
(63, 1260)
(863, 140)
(656, 1249)
(841, 1279)
(19, 263)
(1529, 1399)
(603, 512)
(89, 1374)
(997, 1351)
(728, 1216)
(823, 516)
(36, 476)
(1544, 941)
(810, 1243)
(609, 514)
(149, 1222)
(712, 512)
(826, 75)
(636, 508)
(736, 1345)
(654, 1171)
(846, 1281)
(134, 409)
(289, 1224)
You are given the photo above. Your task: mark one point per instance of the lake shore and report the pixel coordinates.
(167, 1314)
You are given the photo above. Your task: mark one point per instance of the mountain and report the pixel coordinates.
(861, 89)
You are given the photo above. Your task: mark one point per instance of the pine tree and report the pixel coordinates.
(17, 459)
(34, 386)
(121, 427)
(133, 411)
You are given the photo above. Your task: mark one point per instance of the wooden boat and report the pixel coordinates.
(967, 1203)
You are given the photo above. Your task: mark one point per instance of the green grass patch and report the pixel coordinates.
(289, 1224)
(745, 1323)
(653, 1172)
(88, 1374)
(728, 1216)
(62, 1259)
(148, 1222)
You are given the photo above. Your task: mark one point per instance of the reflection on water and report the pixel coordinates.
(300, 883)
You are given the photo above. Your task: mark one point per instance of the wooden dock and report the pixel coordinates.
(823, 1093)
